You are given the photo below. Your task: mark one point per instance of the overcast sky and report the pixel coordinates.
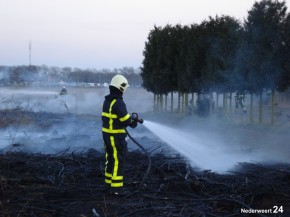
(95, 33)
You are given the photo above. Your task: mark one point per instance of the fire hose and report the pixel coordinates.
(135, 118)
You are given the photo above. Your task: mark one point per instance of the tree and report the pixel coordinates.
(157, 73)
(263, 34)
(284, 81)
(220, 36)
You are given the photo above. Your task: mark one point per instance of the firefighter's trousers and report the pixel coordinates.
(116, 152)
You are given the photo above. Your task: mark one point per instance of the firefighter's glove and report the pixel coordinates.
(133, 124)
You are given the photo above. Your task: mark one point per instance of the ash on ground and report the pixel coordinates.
(52, 165)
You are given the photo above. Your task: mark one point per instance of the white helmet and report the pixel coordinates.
(120, 82)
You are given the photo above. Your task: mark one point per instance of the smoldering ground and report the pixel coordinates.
(67, 179)
(41, 121)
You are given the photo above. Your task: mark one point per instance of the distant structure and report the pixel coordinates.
(29, 53)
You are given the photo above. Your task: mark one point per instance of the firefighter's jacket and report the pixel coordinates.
(115, 116)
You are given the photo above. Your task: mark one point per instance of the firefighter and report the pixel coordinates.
(115, 119)
(240, 101)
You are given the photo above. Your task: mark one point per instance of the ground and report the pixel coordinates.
(72, 185)
(52, 164)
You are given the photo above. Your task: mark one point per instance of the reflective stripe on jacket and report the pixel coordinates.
(115, 116)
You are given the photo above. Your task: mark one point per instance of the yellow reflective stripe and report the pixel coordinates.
(111, 121)
(112, 103)
(108, 174)
(116, 184)
(106, 130)
(117, 178)
(109, 115)
(126, 117)
(115, 155)
(110, 111)
(108, 181)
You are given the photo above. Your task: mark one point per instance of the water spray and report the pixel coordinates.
(203, 151)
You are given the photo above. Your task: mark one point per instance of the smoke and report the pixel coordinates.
(71, 135)
(77, 101)
(52, 123)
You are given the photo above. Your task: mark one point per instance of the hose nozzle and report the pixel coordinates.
(136, 118)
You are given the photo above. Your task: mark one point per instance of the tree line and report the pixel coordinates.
(221, 55)
(45, 75)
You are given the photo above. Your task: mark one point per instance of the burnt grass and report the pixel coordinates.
(72, 184)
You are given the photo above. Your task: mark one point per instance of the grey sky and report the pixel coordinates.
(93, 33)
